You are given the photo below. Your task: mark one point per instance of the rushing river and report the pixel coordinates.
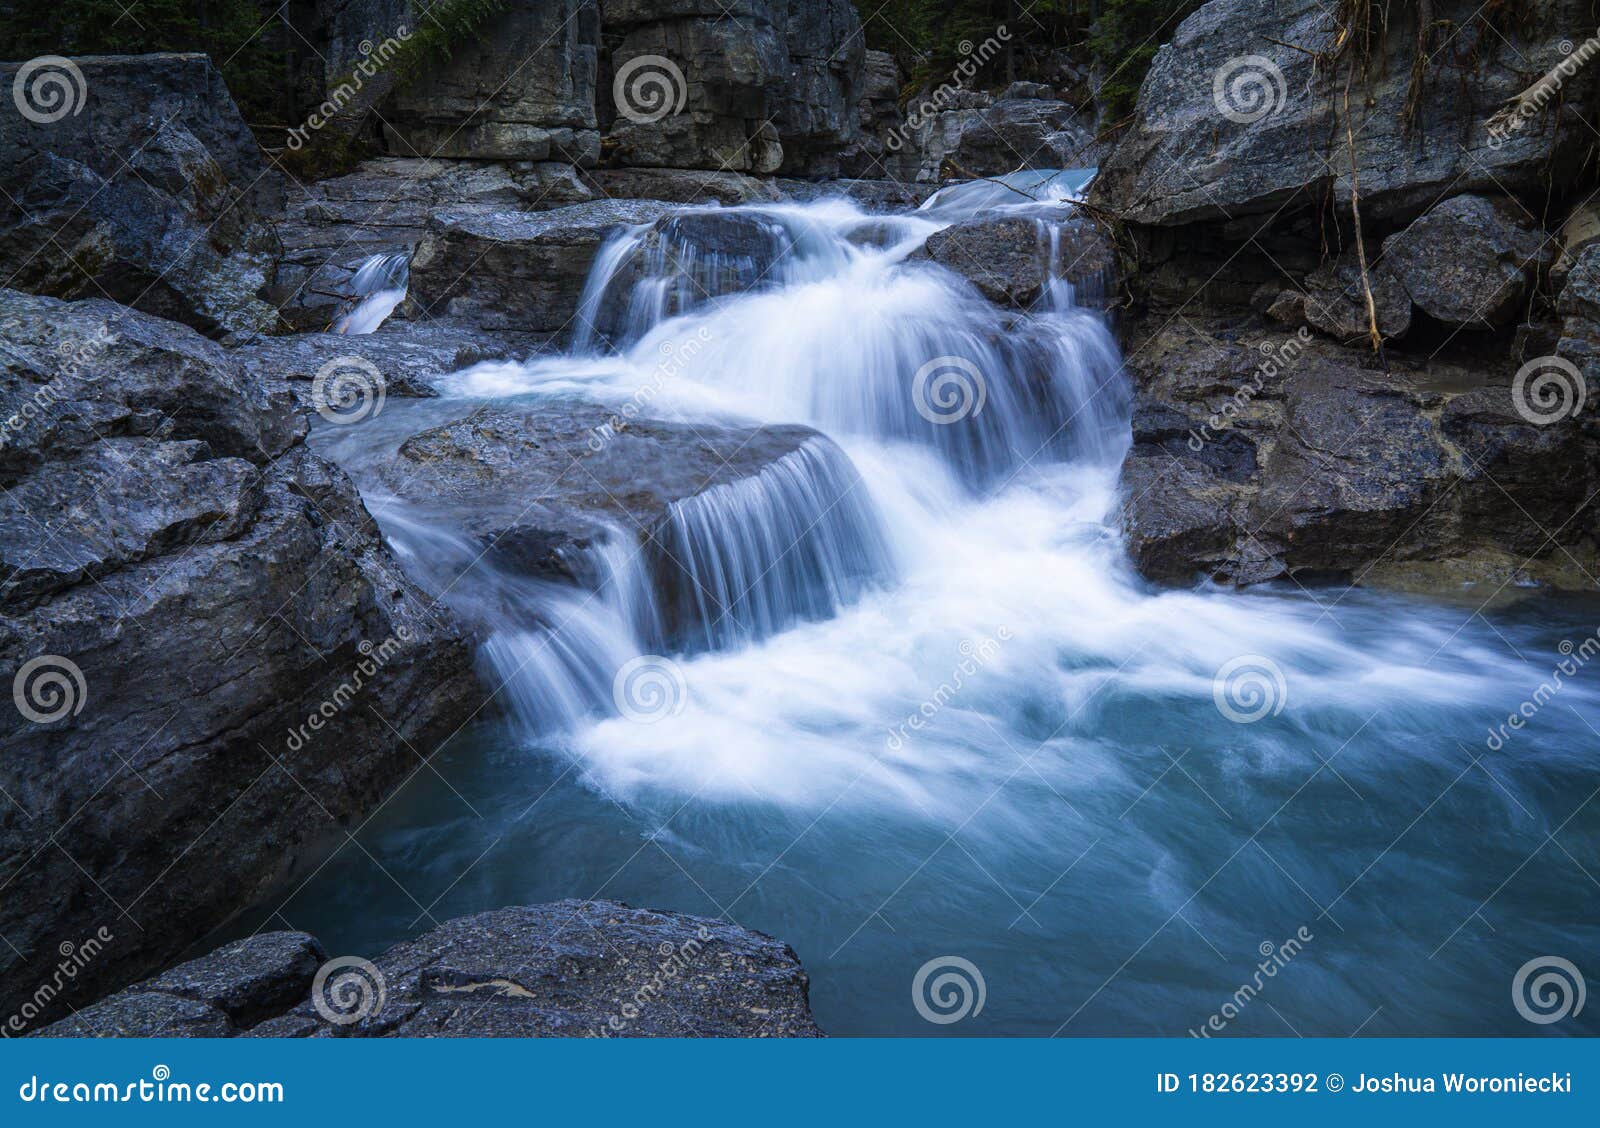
(916, 705)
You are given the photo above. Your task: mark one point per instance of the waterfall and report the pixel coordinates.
(378, 285)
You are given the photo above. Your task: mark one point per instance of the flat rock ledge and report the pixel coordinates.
(567, 969)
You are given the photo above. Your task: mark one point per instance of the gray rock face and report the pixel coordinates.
(516, 270)
(148, 196)
(1011, 262)
(1469, 261)
(1579, 306)
(199, 585)
(883, 149)
(568, 969)
(1258, 460)
(330, 227)
(979, 136)
(1282, 140)
(523, 89)
(1336, 301)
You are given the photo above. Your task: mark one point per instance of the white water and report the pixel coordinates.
(377, 287)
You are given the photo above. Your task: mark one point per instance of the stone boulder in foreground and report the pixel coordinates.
(186, 587)
(568, 969)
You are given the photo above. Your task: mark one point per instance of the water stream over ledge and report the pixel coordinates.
(913, 703)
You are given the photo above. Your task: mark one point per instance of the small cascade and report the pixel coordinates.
(745, 559)
(377, 287)
(651, 272)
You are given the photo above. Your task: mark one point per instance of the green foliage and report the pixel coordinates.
(246, 39)
(1125, 40)
(448, 23)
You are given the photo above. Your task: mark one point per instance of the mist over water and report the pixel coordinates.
(912, 701)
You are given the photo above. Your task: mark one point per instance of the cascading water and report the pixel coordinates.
(376, 288)
(949, 719)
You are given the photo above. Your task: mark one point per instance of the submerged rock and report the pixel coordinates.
(187, 588)
(150, 194)
(567, 969)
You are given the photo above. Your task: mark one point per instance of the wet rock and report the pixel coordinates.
(1012, 260)
(1286, 457)
(883, 149)
(1469, 261)
(200, 585)
(680, 186)
(1336, 301)
(521, 271)
(567, 969)
(150, 195)
(329, 228)
(1579, 306)
(1235, 119)
(976, 136)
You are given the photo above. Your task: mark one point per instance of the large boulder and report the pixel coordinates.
(1012, 261)
(567, 969)
(213, 656)
(1579, 307)
(977, 135)
(148, 193)
(1240, 116)
(517, 270)
(1286, 457)
(1469, 261)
